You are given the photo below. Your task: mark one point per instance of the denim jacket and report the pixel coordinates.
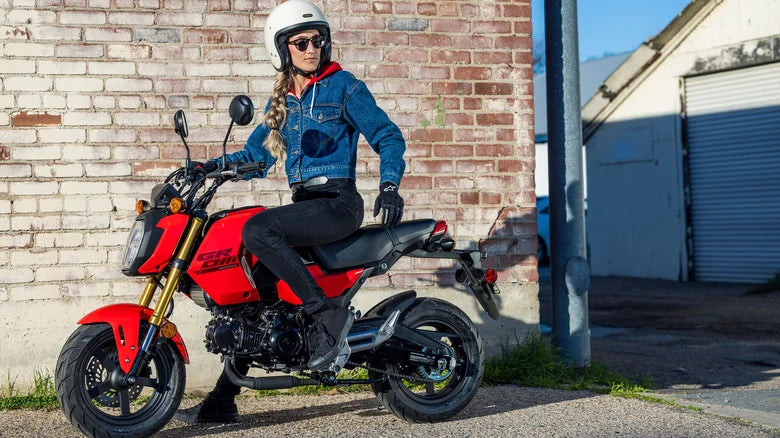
(322, 130)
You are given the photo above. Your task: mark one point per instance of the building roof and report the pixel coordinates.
(592, 75)
(638, 64)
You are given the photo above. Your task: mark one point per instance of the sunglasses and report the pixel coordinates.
(303, 43)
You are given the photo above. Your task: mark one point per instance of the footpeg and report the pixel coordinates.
(341, 359)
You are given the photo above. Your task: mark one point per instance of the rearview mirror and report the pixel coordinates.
(241, 110)
(180, 124)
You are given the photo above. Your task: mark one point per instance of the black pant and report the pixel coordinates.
(318, 215)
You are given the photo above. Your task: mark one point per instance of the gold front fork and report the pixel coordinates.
(151, 286)
(175, 273)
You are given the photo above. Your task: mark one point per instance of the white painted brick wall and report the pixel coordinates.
(25, 205)
(29, 101)
(111, 68)
(17, 66)
(22, 293)
(62, 67)
(35, 257)
(91, 222)
(24, 153)
(59, 240)
(15, 171)
(59, 273)
(59, 135)
(33, 223)
(28, 49)
(16, 275)
(83, 188)
(33, 188)
(59, 171)
(83, 256)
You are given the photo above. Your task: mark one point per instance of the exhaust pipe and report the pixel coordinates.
(275, 382)
(368, 339)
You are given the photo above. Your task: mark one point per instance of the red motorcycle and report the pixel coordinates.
(121, 373)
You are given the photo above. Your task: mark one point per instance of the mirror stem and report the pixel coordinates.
(224, 146)
(187, 162)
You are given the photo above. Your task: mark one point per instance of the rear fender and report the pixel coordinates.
(125, 321)
(396, 302)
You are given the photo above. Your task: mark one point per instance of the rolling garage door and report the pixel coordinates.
(733, 138)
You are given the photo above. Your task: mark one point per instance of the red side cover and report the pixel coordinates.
(332, 284)
(128, 317)
(173, 227)
(216, 266)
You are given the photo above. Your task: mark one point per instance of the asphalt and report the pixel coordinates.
(708, 345)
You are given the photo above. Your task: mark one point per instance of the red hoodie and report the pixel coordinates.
(327, 70)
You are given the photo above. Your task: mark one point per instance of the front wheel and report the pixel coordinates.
(90, 392)
(436, 393)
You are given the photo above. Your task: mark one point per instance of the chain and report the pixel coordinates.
(390, 373)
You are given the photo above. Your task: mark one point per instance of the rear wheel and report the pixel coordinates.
(440, 390)
(90, 392)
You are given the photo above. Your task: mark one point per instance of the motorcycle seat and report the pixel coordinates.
(368, 245)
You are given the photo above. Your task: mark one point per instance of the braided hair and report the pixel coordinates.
(276, 115)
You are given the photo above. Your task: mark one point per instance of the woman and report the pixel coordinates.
(312, 122)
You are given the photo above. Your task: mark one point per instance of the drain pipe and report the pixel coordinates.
(569, 270)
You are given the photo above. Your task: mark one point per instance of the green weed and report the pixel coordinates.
(41, 396)
(536, 363)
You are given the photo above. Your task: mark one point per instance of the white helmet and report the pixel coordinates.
(288, 18)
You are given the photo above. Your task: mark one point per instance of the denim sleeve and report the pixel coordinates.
(362, 112)
(253, 151)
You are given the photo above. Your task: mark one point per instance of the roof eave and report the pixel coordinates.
(624, 79)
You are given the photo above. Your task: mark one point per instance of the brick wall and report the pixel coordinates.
(88, 89)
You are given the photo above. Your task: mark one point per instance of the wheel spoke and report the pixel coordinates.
(124, 401)
(99, 389)
(429, 388)
(146, 381)
(107, 363)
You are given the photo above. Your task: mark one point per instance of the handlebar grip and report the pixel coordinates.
(251, 167)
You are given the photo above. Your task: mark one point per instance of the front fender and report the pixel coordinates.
(125, 321)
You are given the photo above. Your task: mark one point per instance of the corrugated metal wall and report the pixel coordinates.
(733, 132)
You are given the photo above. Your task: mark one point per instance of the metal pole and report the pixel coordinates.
(569, 270)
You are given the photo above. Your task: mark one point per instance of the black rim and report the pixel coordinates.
(461, 345)
(98, 371)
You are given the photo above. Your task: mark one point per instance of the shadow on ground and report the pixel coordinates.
(682, 335)
(488, 401)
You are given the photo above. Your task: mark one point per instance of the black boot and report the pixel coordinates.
(327, 335)
(219, 406)
(212, 409)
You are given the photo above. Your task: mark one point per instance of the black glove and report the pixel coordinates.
(391, 203)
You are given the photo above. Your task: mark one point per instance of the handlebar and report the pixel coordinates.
(235, 169)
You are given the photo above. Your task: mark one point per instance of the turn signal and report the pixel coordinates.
(176, 205)
(168, 330)
(491, 276)
(141, 206)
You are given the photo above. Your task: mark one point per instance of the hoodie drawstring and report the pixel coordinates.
(313, 96)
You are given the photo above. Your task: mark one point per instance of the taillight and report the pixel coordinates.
(439, 229)
(491, 276)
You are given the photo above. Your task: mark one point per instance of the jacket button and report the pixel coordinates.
(295, 152)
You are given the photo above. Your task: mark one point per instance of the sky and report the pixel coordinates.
(613, 26)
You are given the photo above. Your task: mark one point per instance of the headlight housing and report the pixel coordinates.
(133, 244)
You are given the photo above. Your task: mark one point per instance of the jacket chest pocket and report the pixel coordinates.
(323, 113)
(321, 126)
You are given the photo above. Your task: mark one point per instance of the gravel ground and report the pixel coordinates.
(503, 411)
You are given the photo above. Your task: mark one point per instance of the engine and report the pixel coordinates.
(274, 339)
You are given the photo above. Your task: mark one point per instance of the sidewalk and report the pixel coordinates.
(701, 344)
